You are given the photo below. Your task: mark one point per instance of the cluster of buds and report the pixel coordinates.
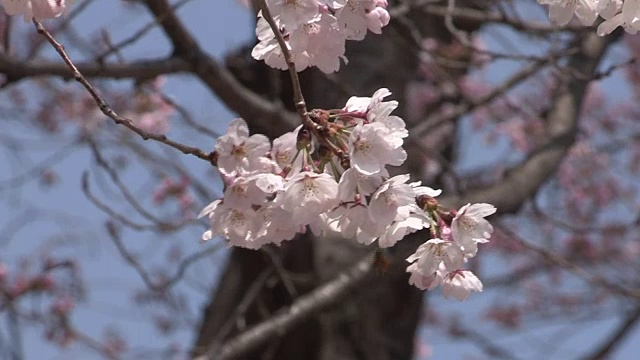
(332, 177)
(316, 30)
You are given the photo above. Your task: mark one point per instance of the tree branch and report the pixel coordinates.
(264, 116)
(16, 70)
(562, 127)
(616, 338)
(307, 305)
(107, 110)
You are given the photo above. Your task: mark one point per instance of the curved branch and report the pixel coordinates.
(478, 16)
(562, 127)
(616, 338)
(263, 116)
(300, 310)
(107, 110)
(16, 70)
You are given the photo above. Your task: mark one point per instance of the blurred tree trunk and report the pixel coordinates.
(378, 322)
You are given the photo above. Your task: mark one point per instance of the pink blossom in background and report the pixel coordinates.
(150, 112)
(178, 191)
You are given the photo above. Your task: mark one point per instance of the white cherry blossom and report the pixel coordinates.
(376, 19)
(561, 11)
(316, 30)
(628, 18)
(436, 252)
(460, 284)
(274, 225)
(274, 192)
(307, 195)
(293, 13)
(353, 182)
(269, 50)
(372, 146)
(233, 224)
(422, 281)
(36, 9)
(243, 192)
(403, 226)
(348, 219)
(609, 25)
(393, 197)
(239, 151)
(608, 8)
(354, 18)
(469, 227)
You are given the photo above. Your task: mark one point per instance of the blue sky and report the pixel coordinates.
(220, 26)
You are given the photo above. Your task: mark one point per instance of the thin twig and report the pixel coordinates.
(298, 98)
(633, 293)
(108, 111)
(109, 211)
(113, 174)
(152, 284)
(115, 48)
(617, 337)
(281, 271)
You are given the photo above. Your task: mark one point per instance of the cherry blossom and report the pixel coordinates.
(36, 9)
(293, 13)
(373, 146)
(309, 194)
(315, 31)
(356, 16)
(420, 280)
(459, 284)
(269, 50)
(430, 255)
(332, 177)
(354, 183)
(616, 13)
(239, 151)
(403, 226)
(392, 197)
(349, 219)
(470, 227)
(243, 192)
(628, 17)
(608, 8)
(274, 191)
(562, 11)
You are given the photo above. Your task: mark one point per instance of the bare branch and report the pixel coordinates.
(617, 337)
(298, 98)
(285, 320)
(562, 126)
(264, 116)
(16, 70)
(106, 109)
(633, 293)
(162, 285)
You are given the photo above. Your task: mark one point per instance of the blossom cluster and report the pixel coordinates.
(616, 13)
(36, 9)
(333, 179)
(316, 30)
